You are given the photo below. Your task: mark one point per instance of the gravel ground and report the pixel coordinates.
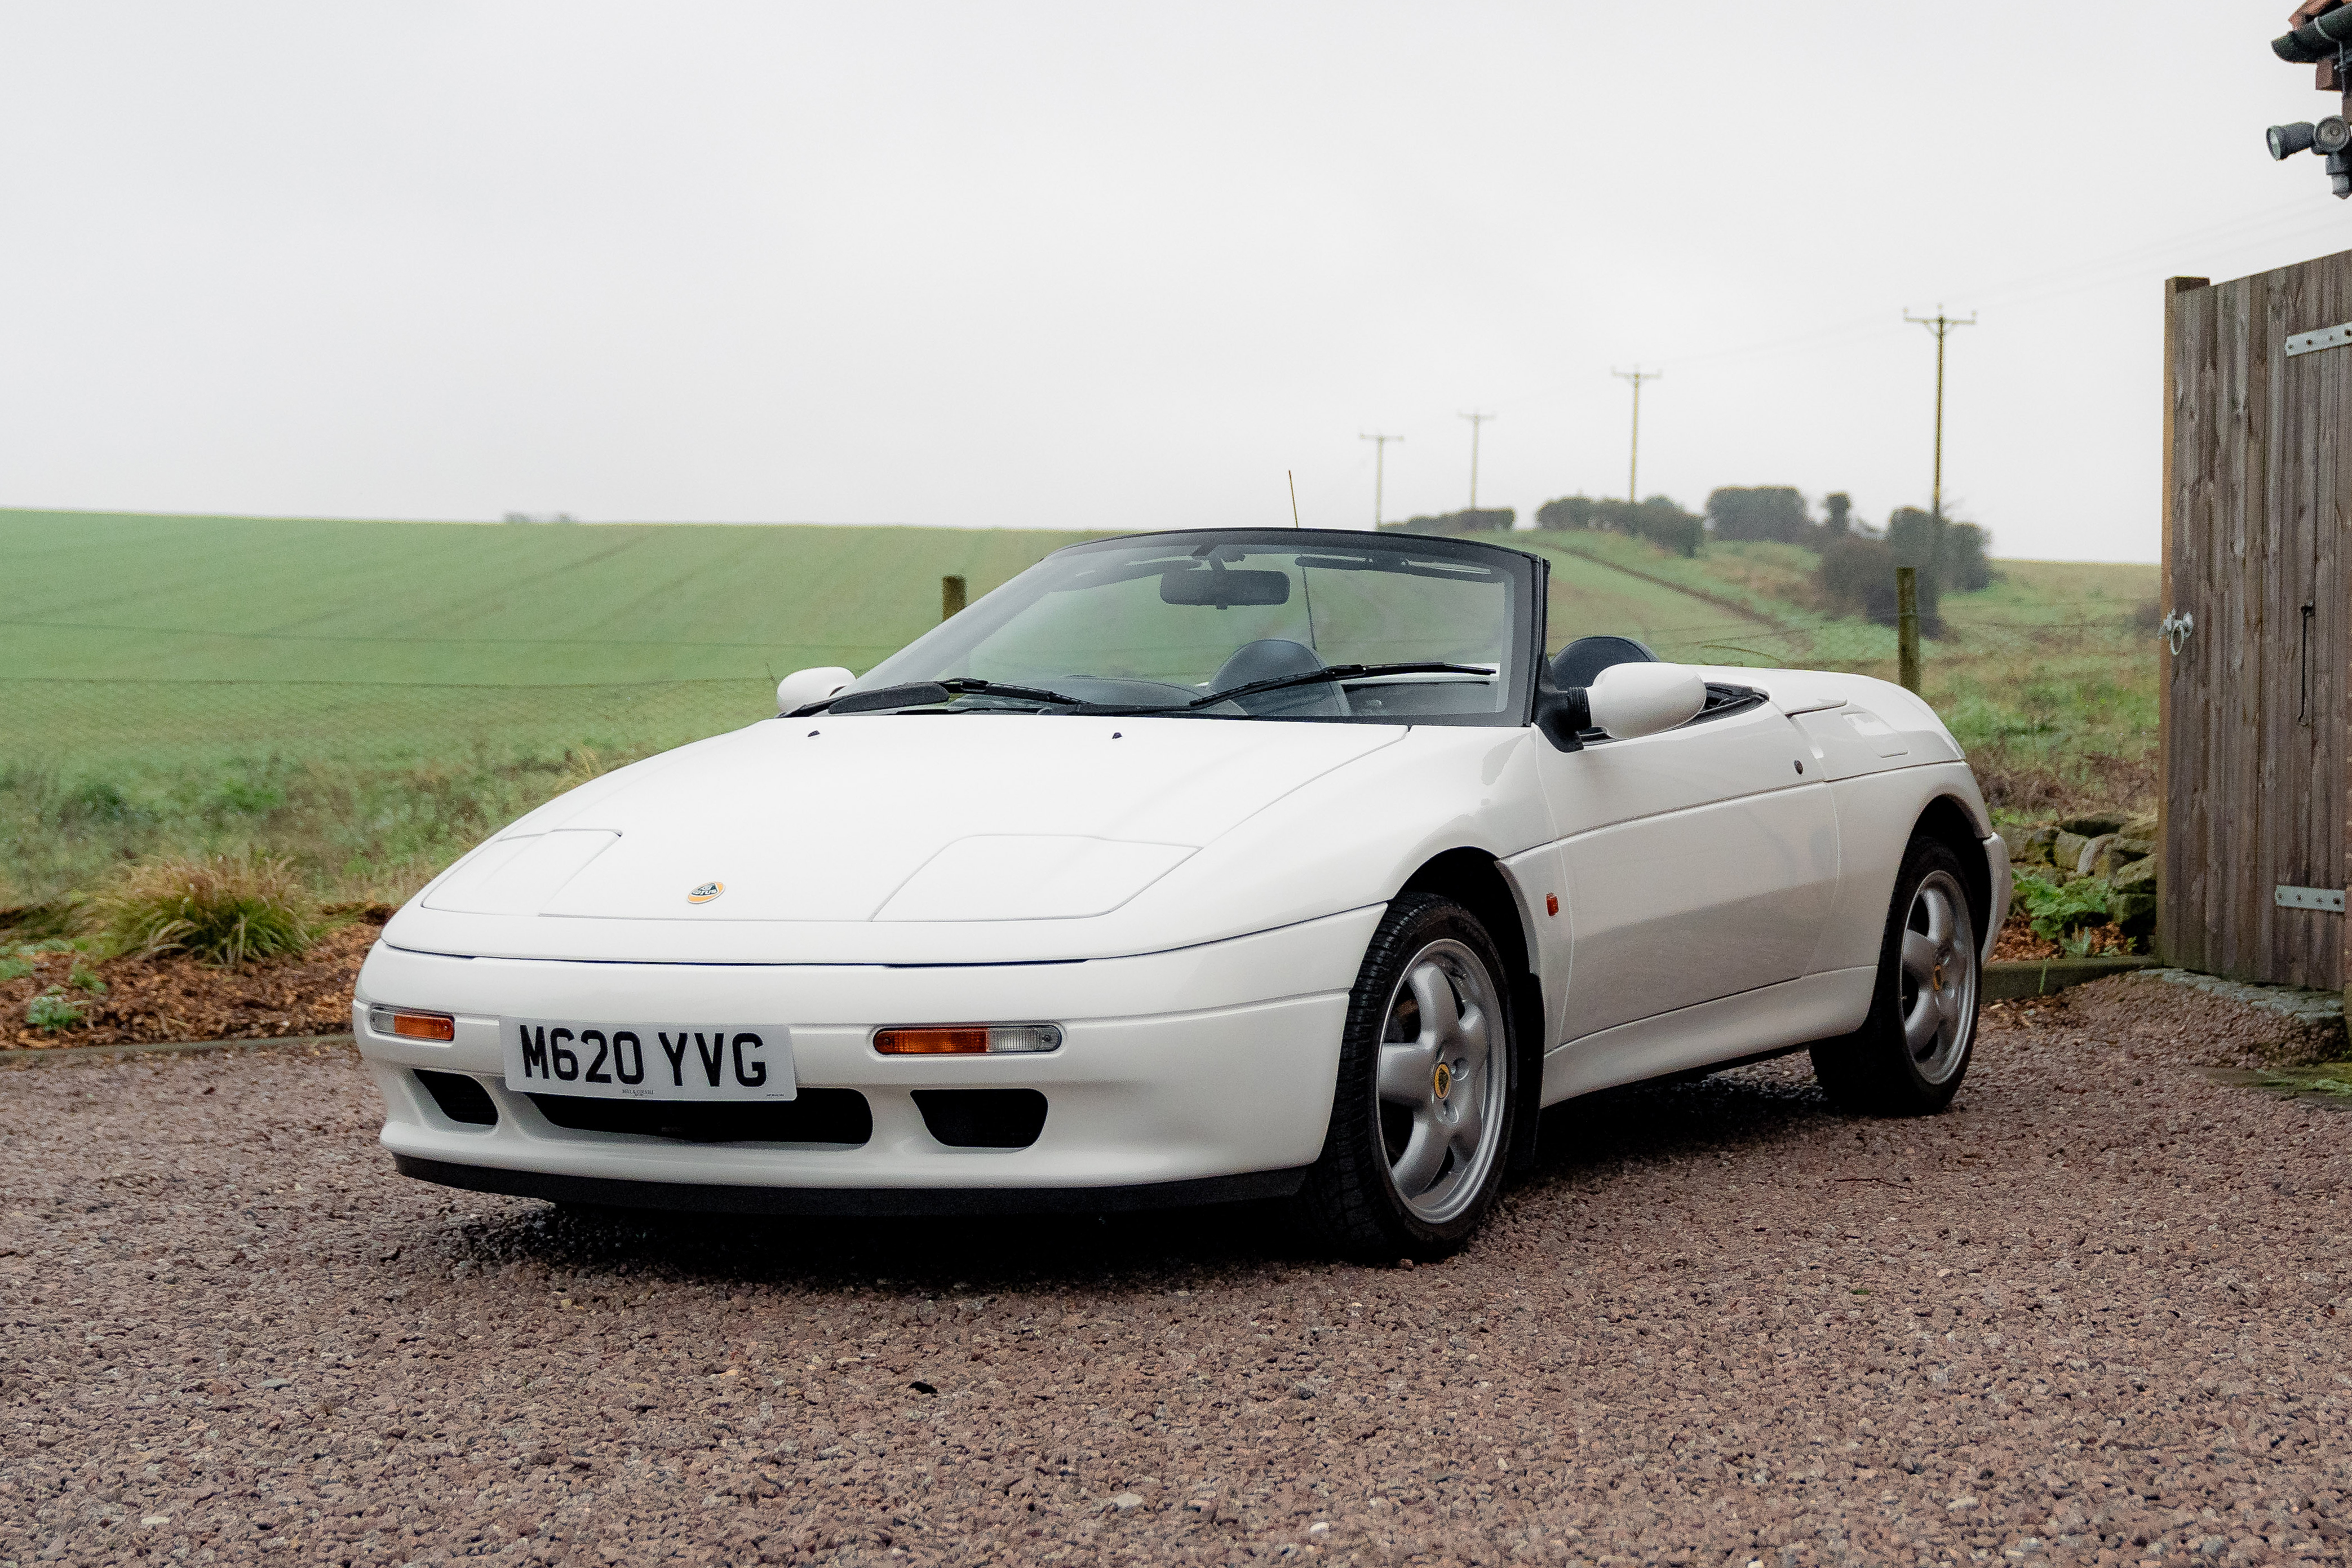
(2091, 1315)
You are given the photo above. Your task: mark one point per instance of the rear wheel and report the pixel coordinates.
(1910, 1055)
(1427, 1089)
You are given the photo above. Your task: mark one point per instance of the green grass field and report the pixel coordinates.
(205, 598)
(370, 697)
(199, 598)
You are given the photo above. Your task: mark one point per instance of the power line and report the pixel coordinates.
(1379, 452)
(2246, 231)
(1637, 375)
(1475, 420)
(2247, 228)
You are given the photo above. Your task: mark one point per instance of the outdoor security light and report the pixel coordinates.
(2287, 141)
(2330, 138)
(2324, 41)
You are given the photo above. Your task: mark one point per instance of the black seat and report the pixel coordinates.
(1581, 661)
(1270, 657)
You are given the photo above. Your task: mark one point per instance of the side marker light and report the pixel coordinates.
(969, 1040)
(1551, 903)
(402, 1024)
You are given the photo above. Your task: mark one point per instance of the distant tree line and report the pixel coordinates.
(1657, 519)
(1858, 572)
(1857, 562)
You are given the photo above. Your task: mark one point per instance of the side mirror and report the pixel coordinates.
(1634, 699)
(1563, 713)
(802, 687)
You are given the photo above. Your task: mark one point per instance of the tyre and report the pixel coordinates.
(1910, 1054)
(1428, 1085)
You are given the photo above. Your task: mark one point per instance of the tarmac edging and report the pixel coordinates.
(84, 1053)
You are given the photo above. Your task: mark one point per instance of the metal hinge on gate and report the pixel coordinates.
(2309, 898)
(2326, 338)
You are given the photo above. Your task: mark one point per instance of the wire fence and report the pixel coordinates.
(1979, 647)
(1843, 646)
(1773, 632)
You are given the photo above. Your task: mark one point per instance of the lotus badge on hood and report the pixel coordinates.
(706, 892)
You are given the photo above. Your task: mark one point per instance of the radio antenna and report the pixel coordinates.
(1305, 590)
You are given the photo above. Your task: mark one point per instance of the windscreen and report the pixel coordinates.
(1167, 626)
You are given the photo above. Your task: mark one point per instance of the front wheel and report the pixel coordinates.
(1910, 1054)
(1426, 1092)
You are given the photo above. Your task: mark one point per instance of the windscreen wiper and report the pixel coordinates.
(1331, 672)
(922, 693)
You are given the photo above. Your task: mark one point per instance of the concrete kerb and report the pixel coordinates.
(2294, 1002)
(2009, 979)
(21, 1058)
(2024, 978)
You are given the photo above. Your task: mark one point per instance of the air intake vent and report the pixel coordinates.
(982, 1118)
(834, 1116)
(461, 1099)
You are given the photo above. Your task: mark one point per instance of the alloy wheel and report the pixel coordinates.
(1442, 1080)
(1937, 1000)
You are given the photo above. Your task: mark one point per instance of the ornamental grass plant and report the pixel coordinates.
(356, 830)
(222, 909)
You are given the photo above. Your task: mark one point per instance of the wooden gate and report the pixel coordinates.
(2255, 474)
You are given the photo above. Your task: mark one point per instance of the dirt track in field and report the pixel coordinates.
(2097, 1312)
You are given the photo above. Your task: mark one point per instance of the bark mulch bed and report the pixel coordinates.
(148, 1001)
(2018, 941)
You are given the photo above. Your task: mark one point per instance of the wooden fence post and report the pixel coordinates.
(950, 597)
(1907, 627)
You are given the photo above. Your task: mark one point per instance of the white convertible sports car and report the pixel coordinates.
(1232, 863)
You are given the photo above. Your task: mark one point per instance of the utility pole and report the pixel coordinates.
(1380, 451)
(1475, 420)
(1942, 326)
(1637, 375)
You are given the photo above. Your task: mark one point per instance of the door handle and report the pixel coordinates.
(2175, 629)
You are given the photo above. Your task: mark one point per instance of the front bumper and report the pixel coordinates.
(1182, 1076)
(701, 1197)
(2002, 881)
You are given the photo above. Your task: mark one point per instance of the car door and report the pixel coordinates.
(1700, 862)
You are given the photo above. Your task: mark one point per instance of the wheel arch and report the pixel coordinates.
(1475, 880)
(1949, 821)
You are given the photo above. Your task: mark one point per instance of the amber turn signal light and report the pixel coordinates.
(968, 1040)
(405, 1024)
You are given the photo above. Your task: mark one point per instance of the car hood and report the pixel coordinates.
(875, 820)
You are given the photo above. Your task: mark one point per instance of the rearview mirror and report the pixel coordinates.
(1629, 700)
(1224, 588)
(802, 687)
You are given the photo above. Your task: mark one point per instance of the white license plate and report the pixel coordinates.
(639, 1062)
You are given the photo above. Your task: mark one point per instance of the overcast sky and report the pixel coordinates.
(1116, 266)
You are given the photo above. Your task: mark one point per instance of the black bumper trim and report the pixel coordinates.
(872, 1201)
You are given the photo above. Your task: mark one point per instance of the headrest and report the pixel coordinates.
(1581, 661)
